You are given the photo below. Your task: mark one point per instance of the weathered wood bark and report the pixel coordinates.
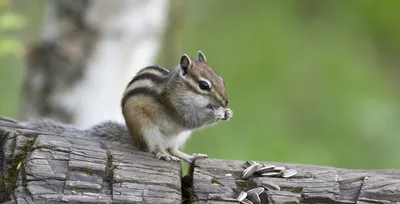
(47, 168)
(43, 167)
(312, 184)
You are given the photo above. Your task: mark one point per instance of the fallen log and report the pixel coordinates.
(44, 167)
(218, 181)
(40, 167)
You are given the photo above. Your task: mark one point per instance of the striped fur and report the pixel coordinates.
(162, 107)
(145, 83)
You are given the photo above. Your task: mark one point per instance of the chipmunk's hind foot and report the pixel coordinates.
(162, 155)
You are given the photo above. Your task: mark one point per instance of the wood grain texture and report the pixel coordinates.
(44, 167)
(313, 184)
(47, 168)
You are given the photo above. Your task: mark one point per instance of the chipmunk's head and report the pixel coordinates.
(203, 81)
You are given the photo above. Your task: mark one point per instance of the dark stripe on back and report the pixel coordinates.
(157, 68)
(140, 91)
(152, 77)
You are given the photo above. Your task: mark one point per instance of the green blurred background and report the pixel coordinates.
(309, 81)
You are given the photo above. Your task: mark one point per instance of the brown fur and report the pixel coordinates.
(159, 105)
(137, 114)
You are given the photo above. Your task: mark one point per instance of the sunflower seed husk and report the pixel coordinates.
(289, 173)
(270, 174)
(257, 191)
(242, 195)
(216, 184)
(254, 198)
(246, 201)
(268, 165)
(246, 169)
(266, 169)
(249, 163)
(267, 185)
(279, 174)
(247, 173)
(279, 168)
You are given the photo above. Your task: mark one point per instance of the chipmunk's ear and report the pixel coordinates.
(202, 57)
(185, 63)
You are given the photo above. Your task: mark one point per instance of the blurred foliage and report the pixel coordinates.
(309, 81)
(4, 3)
(19, 24)
(10, 22)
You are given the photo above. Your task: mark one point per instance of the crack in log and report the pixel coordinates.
(350, 187)
(25, 182)
(359, 190)
(66, 174)
(10, 177)
(109, 173)
(23, 175)
(187, 185)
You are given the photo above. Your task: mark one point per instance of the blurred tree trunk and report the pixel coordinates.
(171, 45)
(89, 51)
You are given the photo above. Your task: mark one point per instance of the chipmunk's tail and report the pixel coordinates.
(111, 132)
(52, 127)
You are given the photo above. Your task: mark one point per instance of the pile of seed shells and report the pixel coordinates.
(263, 170)
(253, 167)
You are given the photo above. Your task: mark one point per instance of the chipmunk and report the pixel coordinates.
(161, 108)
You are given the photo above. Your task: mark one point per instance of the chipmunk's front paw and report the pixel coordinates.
(199, 156)
(228, 114)
(166, 157)
(219, 113)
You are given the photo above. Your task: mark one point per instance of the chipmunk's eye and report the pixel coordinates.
(204, 85)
